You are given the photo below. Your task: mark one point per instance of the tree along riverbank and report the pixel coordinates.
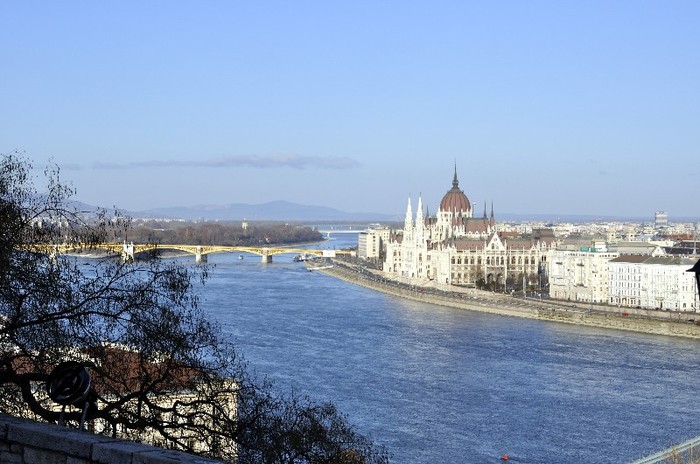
(651, 322)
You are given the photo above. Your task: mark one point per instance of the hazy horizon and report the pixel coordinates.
(303, 212)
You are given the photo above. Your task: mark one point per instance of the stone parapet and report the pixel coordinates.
(23, 441)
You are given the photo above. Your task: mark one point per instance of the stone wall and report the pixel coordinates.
(635, 324)
(645, 321)
(23, 441)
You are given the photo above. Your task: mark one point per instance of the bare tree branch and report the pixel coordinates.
(161, 370)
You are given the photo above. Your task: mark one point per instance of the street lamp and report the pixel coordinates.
(696, 270)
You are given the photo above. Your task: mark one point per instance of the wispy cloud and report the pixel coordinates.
(251, 161)
(71, 167)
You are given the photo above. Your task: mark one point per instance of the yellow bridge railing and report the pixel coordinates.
(129, 250)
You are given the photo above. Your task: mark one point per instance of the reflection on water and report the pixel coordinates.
(436, 384)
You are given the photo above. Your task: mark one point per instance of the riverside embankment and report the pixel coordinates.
(651, 322)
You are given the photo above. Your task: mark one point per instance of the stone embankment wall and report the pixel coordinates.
(23, 441)
(631, 322)
(651, 322)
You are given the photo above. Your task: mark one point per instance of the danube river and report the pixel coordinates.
(442, 385)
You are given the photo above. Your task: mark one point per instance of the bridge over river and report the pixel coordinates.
(129, 250)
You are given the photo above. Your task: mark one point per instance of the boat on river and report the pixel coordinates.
(319, 268)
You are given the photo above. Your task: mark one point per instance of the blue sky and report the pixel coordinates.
(546, 107)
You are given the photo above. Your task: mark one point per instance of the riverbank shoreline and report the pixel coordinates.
(507, 305)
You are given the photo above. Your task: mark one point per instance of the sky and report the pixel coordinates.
(545, 107)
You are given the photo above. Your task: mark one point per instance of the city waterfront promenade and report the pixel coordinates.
(669, 323)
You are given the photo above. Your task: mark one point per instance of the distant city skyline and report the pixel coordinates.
(545, 107)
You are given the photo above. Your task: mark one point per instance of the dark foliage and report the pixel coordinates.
(220, 233)
(162, 372)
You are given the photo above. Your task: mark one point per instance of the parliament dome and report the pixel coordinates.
(455, 200)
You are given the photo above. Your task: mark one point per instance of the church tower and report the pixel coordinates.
(408, 222)
(420, 222)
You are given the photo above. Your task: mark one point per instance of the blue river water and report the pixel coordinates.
(442, 385)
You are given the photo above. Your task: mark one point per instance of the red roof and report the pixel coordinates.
(455, 200)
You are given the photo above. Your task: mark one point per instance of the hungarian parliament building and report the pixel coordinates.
(454, 247)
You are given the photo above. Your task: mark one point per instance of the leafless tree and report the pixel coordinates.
(161, 370)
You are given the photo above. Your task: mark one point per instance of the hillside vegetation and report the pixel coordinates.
(220, 233)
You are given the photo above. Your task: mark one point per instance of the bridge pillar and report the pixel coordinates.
(53, 256)
(127, 252)
(199, 257)
(266, 257)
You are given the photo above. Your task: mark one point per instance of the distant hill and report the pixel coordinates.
(271, 211)
(288, 211)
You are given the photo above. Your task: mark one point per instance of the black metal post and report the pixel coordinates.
(696, 270)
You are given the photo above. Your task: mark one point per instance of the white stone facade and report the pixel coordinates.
(455, 248)
(653, 282)
(371, 243)
(580, 275)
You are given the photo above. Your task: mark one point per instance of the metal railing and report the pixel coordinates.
(686, 452)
